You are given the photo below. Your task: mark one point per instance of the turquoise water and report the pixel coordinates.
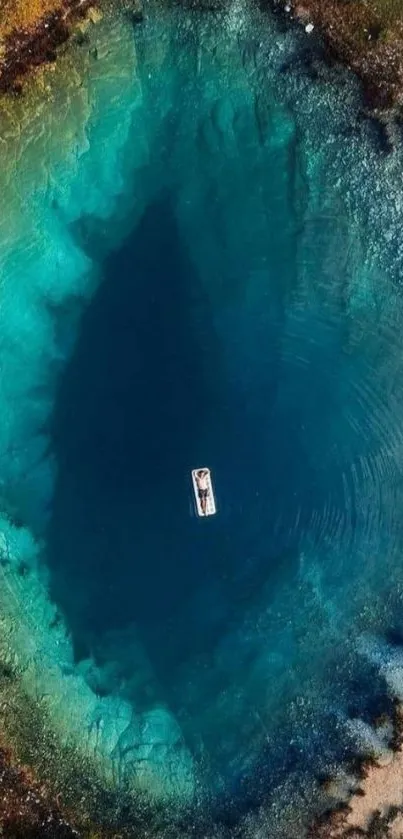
(207, 270)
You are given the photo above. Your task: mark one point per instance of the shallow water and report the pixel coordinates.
(233, 301)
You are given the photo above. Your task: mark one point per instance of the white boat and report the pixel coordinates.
(210, 507)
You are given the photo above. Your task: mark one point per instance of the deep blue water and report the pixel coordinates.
(214, 281)
(255, 379)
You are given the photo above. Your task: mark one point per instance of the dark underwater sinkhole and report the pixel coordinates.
(146, 397)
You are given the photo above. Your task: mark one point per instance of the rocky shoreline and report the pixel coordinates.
(364, 35)
(26, 810)
(26, 47)
(370, 804)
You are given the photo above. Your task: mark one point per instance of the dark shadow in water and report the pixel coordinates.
(129, 415)
(141, 403)
(143, 400)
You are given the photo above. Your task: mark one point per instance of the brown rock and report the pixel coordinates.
(367, 36)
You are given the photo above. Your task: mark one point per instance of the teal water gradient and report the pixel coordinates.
(210, 274)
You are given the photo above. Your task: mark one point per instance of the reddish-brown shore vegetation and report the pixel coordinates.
(365, 35)
(31, 32)
(30, 808)
(27, 810)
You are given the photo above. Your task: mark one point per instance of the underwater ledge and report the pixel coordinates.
(47, 790)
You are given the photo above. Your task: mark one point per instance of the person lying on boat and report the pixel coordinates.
(202, 488)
